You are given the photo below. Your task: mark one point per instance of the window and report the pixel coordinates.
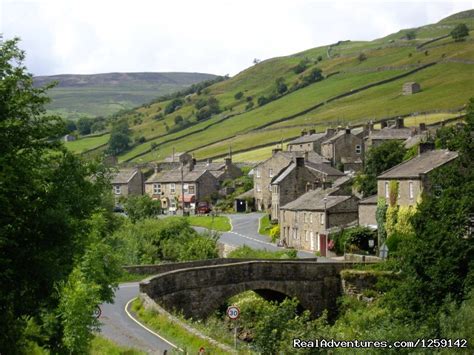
(321, 218)
(156, 189)
(358, 149)
(117, 189)
(173, 203)
(387, 190)
(410, 188)
(191, 189)
(185, 188)
(257, 172)
(258, 188)
(270, 172)
(311, 218)
(173, 188)
(306, 236)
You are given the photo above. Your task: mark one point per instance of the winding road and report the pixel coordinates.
(119, 327)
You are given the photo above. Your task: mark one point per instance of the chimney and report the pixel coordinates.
(383, 124)
(300, 161)
(303, 132)
(306, 156)
(326, 185)
(209, 161)
(228, 162)
(422, 127)
(399, 123)
(192, 162)
(425, 147)
(312, 131)
(157, 169)
(275, 150)
(348, 130)
(330, 132)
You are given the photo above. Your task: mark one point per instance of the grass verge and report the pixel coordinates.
(103, 346)
(218, 223)
(265, 226)
(131, 277)
(172, 331)
(245, 252)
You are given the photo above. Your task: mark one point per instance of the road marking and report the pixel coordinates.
(125, 285)
(255, 240)
(146, 328)
(231, 225)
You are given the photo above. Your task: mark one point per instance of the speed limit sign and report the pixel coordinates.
(233, 312)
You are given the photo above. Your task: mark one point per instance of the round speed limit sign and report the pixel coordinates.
(233, 312)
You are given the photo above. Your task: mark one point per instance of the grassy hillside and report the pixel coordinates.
(105, 94)
(362, 81)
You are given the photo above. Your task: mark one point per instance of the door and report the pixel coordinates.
(322, 244)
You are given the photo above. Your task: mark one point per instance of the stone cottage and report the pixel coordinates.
(411, 88)
(305, 222)
(127, 182)
(344, 148)
(221, 170)
(170, 186)
(264, 173)
(310, 141)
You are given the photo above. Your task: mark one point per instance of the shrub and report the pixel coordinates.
(301, 67)
(275, 233)
(238, 95)
(263, 100)
(460, 32)
(173, 106)
(178, 119)
(362, 57)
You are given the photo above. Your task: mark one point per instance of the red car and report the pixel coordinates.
(203, 208)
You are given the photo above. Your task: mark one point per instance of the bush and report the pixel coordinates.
(275, 233)
(263, 100)
(178, 119)
(362, 57)
(173, 106)
(249, 105)
(141, 207)
(238, 95)
(200, 104)
(204, 113)
(460, 32)
(301, 67)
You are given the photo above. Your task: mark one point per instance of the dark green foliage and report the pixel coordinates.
(361, 57)
(249, 105)
(178, 119)
(98, 126)
(460, 32)
(70, 126)
(263, 100)
(354, 240)
(239, 95)
(281, 87)
(301, 67)
(84, 125)
(211, 107)
(47, 199)
(141, 207)
(204, 113)
(246, 252)
(380, 214)
(200, 103)
(410, 35)
(119, 138)
(173, 106)
(378, 159)
(314, 76)
(249, 98)
(320, 58)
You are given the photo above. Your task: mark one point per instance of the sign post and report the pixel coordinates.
(233, 312)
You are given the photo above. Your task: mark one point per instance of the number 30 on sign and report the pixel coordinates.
(233, 312)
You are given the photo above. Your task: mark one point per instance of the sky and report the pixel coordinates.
(208, 36)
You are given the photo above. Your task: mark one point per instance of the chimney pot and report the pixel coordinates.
(312, 131)
(348, 130)
(422, 127)
(425, 147)
(303, 132)
(383, 124)
(299, 161)
(275, 150)
(399, 123)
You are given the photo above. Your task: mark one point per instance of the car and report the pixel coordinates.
(203, 208)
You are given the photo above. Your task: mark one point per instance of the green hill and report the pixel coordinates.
(362, 81)
(104, 94)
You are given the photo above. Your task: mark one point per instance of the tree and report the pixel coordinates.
(84, 125)
(281, 86)
(378, 159)
(263, 100)
(70, 126)
(362, 56)
(239, 95)
(173, 105)
(178, 119)
(460, 32)
(47, 197)
(141, 207)
(315, 75)
(119, 138)
(410, 35)
(301, 67)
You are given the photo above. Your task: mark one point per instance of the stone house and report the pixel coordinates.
(183, 158)
(411, 88)
(264, 173)
(305, 222)
(127, 182)
(413, 176)
(344, 148)
(221, 170)
(367, 212)
(69, 138)
(310, 141)
(170, 186)
(397, 132)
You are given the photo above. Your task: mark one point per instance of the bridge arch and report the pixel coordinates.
(199, 291)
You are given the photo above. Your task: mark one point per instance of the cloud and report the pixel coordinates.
(85, 36)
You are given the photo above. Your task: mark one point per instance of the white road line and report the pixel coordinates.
(231, 225)
(250, 238)
(148, 329)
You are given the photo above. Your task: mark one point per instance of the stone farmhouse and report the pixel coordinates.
(397, 132)
(170, 186)
(413, 176)
(268, 169)
(310, 141)
(298, 178)
(127, 182)
(221, 170)
(344, 148)
(306, 221)
(411, 88)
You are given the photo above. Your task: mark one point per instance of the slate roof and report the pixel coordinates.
(210, 166)
(392, 133)
(338, 182)
(170, 159)
(335, 137)
(324, 168)
(175, 176)
(314, 201)
(246, 194)
(371, 200)
(123, 176)
(308, 138)
(284, 173)
(421, 164)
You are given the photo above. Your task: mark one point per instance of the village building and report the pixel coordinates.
(183, 158)
(244, 202)
(413, 176)
(306, 221)
(411, 88)
(344, 149)
(127, 182)
(69, 138)
(395, 132)
(367, 212)
(172, 186)
(225, 170)
(310, 141)
(264, 173)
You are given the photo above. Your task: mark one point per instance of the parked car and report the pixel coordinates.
(203, 208)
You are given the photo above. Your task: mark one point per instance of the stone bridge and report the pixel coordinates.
(199, 289)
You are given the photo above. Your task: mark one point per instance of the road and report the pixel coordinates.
(117, 325)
